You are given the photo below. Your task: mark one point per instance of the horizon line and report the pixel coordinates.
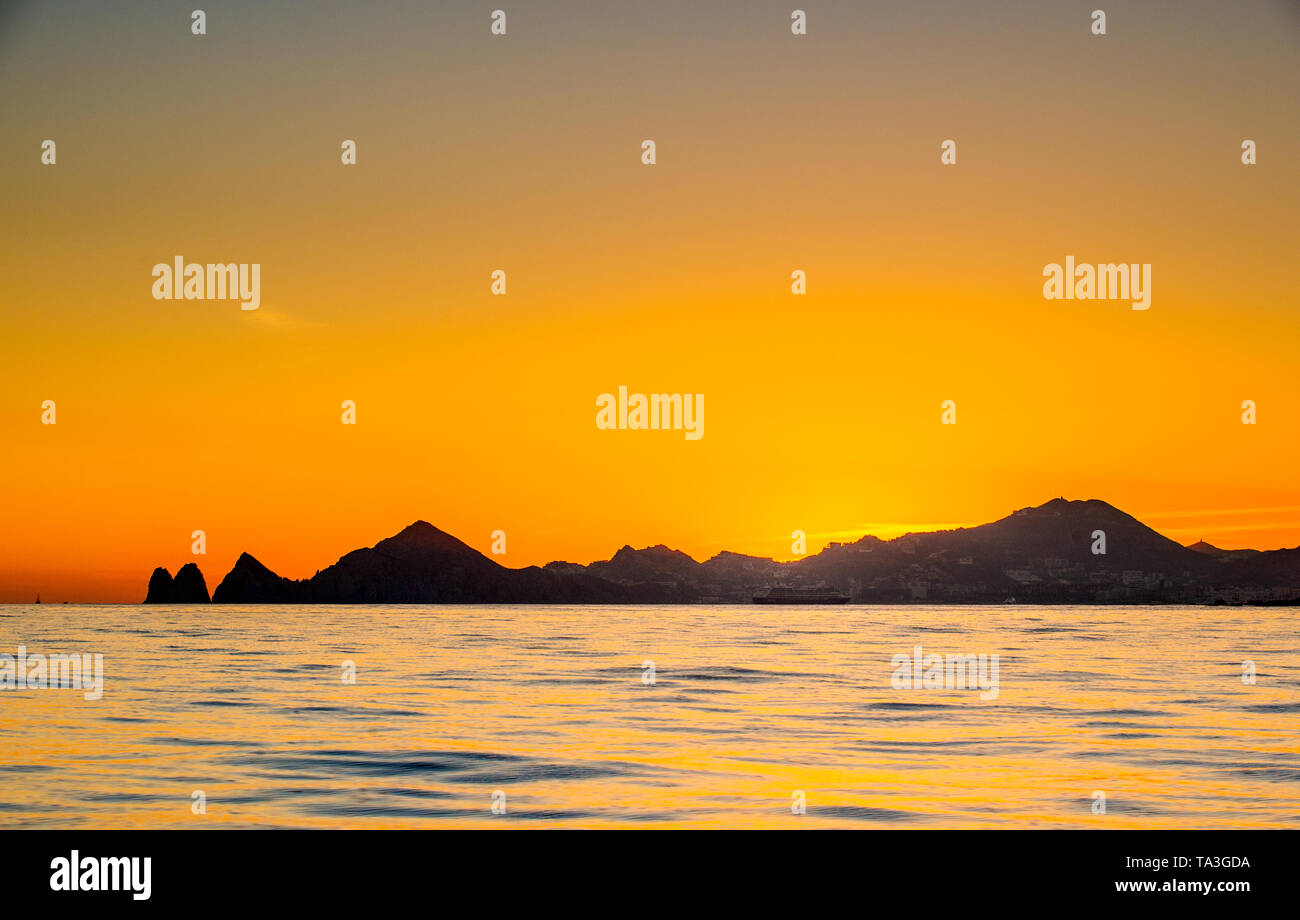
(847, 537)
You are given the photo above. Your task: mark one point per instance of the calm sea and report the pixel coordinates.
(557, 716)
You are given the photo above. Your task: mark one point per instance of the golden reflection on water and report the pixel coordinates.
(748, 707)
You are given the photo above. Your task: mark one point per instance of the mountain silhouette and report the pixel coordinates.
(420, 565)
(1079, 552)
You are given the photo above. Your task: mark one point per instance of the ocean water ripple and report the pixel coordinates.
(695, 716)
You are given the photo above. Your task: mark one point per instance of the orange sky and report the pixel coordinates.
(476, 412)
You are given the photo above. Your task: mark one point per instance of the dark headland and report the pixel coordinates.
(1039, 555)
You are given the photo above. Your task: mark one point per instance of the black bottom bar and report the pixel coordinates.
(649, 870)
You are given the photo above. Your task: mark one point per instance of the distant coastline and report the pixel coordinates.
(1060, 552)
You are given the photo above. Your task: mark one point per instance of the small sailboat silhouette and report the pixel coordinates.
(38, 597)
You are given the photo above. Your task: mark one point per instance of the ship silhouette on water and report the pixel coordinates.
(814, 594)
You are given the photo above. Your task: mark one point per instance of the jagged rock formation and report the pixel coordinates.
(160, 587)
(188, 587)
(251, 582)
